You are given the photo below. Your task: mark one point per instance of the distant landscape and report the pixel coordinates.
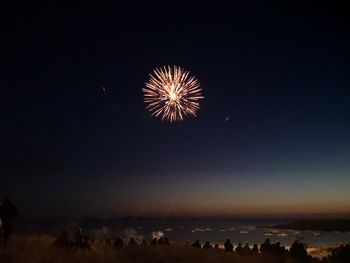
(341, 225)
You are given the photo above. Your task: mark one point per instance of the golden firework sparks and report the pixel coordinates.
(172, 93)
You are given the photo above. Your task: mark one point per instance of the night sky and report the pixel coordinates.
(279, 71)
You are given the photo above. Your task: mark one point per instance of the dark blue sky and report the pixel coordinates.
(280, 71)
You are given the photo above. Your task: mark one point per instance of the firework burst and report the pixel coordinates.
(171, 93)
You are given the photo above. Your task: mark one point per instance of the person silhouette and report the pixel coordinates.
(239, 249)
(207, 245)
(298, 252)
(154, 241)
(265, 247)
(8, 212)
(228, 246)
(255, 249)
(166, 241)
(196, 244)
(246, 249)
(132, 242)
(118, 243)
(161, 241)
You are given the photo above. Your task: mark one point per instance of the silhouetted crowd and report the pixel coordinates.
(83, 241)
(297, 251)
(80, 240)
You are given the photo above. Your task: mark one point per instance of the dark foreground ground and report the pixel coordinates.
(38, 249)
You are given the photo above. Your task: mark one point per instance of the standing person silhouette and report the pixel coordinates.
(228, 246)
(8, 212)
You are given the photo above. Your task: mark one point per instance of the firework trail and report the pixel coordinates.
(172, 93)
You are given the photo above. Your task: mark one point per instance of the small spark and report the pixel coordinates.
(104, 90)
